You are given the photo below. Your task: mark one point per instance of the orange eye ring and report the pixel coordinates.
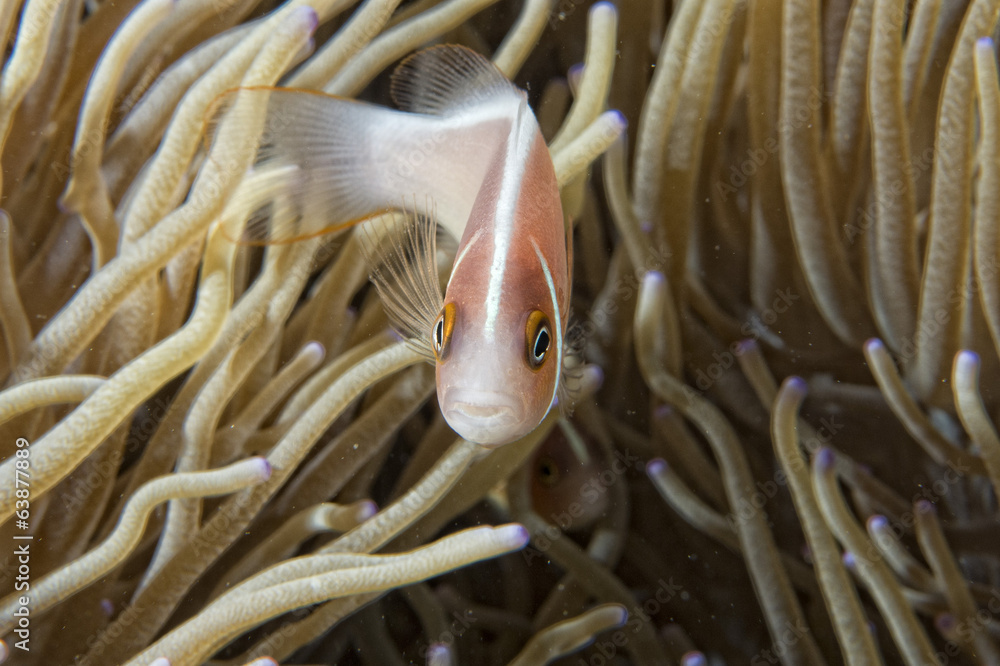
(537, 339)
(442, 330)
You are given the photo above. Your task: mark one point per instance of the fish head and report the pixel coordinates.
(498, 338)
(494, 389)
(564, 472)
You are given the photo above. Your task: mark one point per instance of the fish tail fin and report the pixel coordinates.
(335, 148)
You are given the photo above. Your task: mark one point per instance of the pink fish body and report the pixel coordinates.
(467, 143)
(506, 301)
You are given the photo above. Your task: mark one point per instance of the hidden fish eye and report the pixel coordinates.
(538, 338)
(441, 333)
(548, 471)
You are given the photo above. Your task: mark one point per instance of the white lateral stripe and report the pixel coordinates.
(558, 322)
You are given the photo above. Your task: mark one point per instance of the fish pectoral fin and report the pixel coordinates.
(448, 79)
(400, 248)
(577, 378)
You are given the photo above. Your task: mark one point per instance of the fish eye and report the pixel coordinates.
(441, 334)
(538, 338)
(548, 471)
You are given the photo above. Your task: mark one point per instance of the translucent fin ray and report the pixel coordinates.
(353, 160)
(401, 252)
(446, 79)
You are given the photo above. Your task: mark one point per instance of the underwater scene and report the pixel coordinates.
(499, 332)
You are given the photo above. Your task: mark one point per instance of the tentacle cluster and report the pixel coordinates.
(786, 270)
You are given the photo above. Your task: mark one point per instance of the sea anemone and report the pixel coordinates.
(785, 274)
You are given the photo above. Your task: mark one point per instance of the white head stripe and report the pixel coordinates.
(465, 250)
(557, 324)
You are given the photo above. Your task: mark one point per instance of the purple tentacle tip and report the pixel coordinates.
(873, 344)
(312, 17)
(437, 651)
(654, 277)
(662, 412)
(694, 659)
(598, 374)
(314, 349)
(878, 522)
(967, 361)
(516, 535)
(796, 384)
(263, 468)
(366, 510)
(945, 622)
(107, 607)
(825, 458)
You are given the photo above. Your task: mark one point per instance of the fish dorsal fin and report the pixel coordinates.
(441, 80)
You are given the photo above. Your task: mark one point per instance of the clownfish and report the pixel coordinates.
(465, 139)
(565, 481)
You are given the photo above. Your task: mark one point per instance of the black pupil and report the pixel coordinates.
(549, 472)
(541, 343)
(439, 333)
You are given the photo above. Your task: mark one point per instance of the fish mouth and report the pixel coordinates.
(483, 417)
